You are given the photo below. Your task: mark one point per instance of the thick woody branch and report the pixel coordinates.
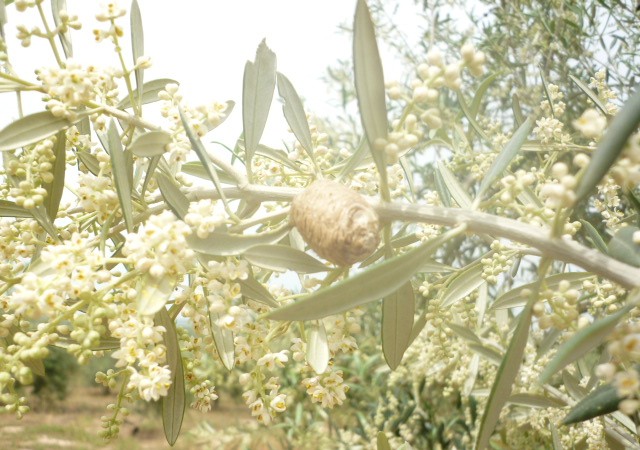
(565, 250)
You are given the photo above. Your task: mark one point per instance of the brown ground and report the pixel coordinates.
(75, 422)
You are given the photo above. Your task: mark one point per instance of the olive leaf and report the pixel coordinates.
(515, 297)
(56, 187)
(31, 129)
(623, 247)
(294, 113)
(152, 294)
(453, 186)
(137, 45)
(253, 289)
(382, 443)
(10, 209)
(398, 310)
(592, 95)
(583, 341)
(462, 283)
(149, 90)
(502, 385)
(120, 168)
(174, 403)
(371, 284)
(56, 7)
(594, 236)
(150, 143)
(282, 258)
(317, 347)
(602, 400)
(220, 243)
(223, 340)
(258, 85)
(505, 157)
(369, 83)
(611, 145)
(175, 199)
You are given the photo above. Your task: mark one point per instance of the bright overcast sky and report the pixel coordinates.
(205, 44)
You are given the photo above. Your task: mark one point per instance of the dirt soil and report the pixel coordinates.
(75, 422)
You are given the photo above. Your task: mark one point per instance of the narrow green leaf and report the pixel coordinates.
(472, 120)
(535, 401)
(294, 113)
(582, 341)
(592, 95)
(504, 158)
(40, 214)
(151, 143)
(65, 39)
(594, 236)
(153, 294)
(120, 174)
(503, 383)
(198, 147)
(515, 298)
(10, 209)
(31, 129)
(555, 438)
(478, 96)
(176, 200)
(196, 169)
(369, 83)
(317, 347)
(56, 187)
(36, 366)
(223, 339)
(382, 443)
(453, 185)
(150, 171)
(462, 283)
(254, 290)
(221, 243)
(611, 145)
(441, 188)
(258, 85)
(517, 110)
(623, 247)
(276, 155)
(545, 87)
(89, 161)
(3, 19)
(490, 354)
(354, 161)
(137, 44)
(464, 332)
(572, 385)
(371, 284)
(150, 91)
(282, 258)
(175, 402)
(602, 400)
(398, 310)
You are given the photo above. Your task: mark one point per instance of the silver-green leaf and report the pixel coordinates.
(174, 403)
(282, 258)
(223, 340)
(220, 243)
(293, 111)
(623, 125)
(582, 341)
(120, 169)
(56, 187)
(151, 143)
(258, 85)
(317, 347)
(398, 310)
(31, 129)
(369, 83)
(371, 284)
(463, 283)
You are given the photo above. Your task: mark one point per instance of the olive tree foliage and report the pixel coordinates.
(482, 211)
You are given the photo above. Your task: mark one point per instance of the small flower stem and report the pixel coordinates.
(50, 35)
